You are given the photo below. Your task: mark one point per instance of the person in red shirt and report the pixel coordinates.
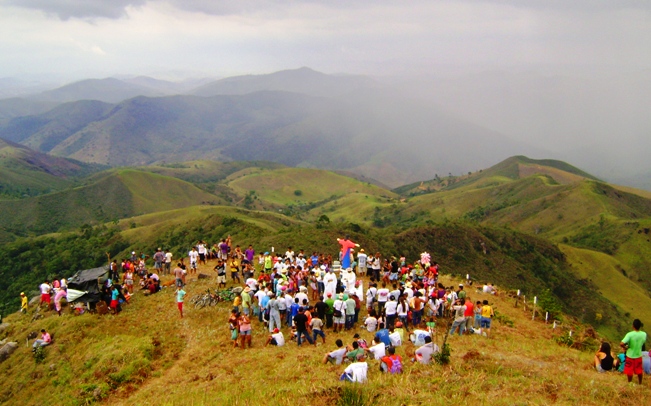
(391, 363)
(470, 315)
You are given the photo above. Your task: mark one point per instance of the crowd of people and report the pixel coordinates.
(299, 297)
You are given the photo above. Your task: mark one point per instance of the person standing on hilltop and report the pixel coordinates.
(168, 261)
(632, 343)
(194, 255)
(201, 249)
(159, 258)
(346, 246)
(45, 293)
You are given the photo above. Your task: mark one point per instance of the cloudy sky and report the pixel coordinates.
(96, 38)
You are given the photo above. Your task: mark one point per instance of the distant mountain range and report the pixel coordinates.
(359, 127)
(353, 123)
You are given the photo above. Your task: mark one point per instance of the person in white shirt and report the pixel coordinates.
(391, 312)
(289, 254)
(424, 353)
(168, 262)
(361, 262)
(355, 372)
(371, 322)
(378, 349)
(276, 338)
(382, 297)
(301, 261)
(252, 284)
(194, 255)
(336, 356)
(371, 296)
(301, 295)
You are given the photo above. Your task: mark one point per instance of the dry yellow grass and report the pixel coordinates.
(190, 361)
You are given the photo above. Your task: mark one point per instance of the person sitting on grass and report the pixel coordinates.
(336, 356)
(45, 339)
(424, 353)
(377, 349)
(276, 338)
(391, 363)
(353, 352)
(355, 372)
(603, 359)
(382, 335)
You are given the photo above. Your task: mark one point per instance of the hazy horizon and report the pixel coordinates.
(571, 78)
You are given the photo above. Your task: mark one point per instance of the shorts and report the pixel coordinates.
(114, 304)
(633, 366)
(45, 297)
(179, 305)
(158, 265)
(235, 275)
(339, 320)
(179, 282)
(168, 266)
(221, 278)
(234, 334)
(245, 333)
(273, 342)
(245, 310)
(193, 264)
(393, 276)
(485, 322)
(128, 282)
(202, 257)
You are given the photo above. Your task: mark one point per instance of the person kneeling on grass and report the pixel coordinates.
(276, 338)
(391, 363)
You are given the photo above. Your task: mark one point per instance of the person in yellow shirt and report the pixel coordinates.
(24, 303)
(486, 317)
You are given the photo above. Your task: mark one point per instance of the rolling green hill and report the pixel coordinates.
(24, 172)
(111, 196)
(287, 186)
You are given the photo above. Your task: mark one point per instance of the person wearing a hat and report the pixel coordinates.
(246, 301)
(24, 303)
(275, 338)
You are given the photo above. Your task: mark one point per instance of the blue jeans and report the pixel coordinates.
(316, 333)
(460, 324)
(303, 333)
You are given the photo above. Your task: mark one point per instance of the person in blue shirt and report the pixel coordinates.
(383, 336)
(115, 294)
(293, 311)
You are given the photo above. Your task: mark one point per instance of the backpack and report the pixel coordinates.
(396, 366)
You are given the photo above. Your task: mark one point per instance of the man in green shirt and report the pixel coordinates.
(329, 310)
(632, 344)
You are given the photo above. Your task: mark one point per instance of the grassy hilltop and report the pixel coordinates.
(147, 355)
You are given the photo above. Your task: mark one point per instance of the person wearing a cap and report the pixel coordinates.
(461, 294)
(275, 338)
(24, 303)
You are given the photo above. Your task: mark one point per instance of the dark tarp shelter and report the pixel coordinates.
(86, 286)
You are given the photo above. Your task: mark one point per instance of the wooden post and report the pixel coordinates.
(535, 300)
